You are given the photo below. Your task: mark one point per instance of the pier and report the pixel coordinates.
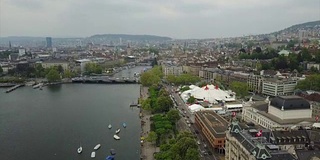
(14, 88)
(133, 104)
(38, 85)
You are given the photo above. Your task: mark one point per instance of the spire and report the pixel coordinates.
(9, 44)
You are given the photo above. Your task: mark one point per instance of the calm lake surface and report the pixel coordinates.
(50, 124)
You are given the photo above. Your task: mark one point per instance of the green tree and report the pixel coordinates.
(60, 69)
(306, 55)
(152, 137)
(192, 154)
(53, 75)
(185, 88)
(148, 78)
(146, 104)
(164, 103)
(191, 100)
(1, 70)
(240, 88)
(311, 82)
(173, 115)
(92, 68)
(39, 71)
(68, 74)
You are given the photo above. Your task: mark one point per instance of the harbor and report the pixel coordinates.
(65, 116)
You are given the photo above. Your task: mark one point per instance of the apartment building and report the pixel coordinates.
(277, 87)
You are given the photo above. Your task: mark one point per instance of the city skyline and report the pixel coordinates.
(178, 19)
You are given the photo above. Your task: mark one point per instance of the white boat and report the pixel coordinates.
(124, 125)
(118, 130)
(79, 150)
(109, 126)
(97, 147)
(93, 154)
(116, 137)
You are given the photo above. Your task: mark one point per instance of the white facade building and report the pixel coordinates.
(278, 87)
(281, 112)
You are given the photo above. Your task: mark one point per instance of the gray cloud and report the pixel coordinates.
(177, 19)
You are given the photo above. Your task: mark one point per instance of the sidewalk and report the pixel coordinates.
(147, 148)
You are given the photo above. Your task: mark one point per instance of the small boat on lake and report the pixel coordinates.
(93, 154)
(97, 147)
(116, 137)
(124, 125)
(109, 126)
(79, 150)
(112, 152)
(118, 130)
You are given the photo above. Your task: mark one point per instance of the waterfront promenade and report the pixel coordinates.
(147, 148)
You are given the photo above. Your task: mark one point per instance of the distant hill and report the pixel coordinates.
(127, 37)
(297, 27)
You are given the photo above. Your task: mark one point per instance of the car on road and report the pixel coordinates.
(198, 142)
(189, 125)
(188, 122)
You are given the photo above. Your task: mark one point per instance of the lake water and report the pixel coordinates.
(50, 124)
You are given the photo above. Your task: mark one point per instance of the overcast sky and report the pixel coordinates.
(173, 18)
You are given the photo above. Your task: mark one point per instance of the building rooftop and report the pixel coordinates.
(262, 108)
(290, 103)
(260, 147)
(55, 61)
(215, 123)
(307, 154)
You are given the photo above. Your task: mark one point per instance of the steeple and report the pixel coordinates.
(9, 44)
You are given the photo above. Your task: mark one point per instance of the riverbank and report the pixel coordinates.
(147, 148)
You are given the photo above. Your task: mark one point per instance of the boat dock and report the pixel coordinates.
(38, 85)
(134, 104)
(14, 88)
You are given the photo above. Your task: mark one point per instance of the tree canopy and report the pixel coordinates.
(183, 79)
(311, 82)
(151, 77)
(183, 147)
(191, 100)
(92, 68)
(240, 88)
(53, 75)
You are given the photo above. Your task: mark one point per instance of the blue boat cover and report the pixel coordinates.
(110, 158)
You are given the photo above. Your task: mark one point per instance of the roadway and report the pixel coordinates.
(183, 125)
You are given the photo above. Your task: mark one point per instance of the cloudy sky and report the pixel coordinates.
(174, 18)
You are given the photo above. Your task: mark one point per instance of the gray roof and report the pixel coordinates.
(307, 154)
(286, 136)
(290, 102)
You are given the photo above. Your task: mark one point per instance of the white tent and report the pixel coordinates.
(195, 107)
(316, 125)
(212, 94)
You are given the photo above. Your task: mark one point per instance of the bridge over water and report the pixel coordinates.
(106, 80)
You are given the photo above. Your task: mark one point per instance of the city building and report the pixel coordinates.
(55, 62)
(209, 74)
(281, 112)
(313, 65)
(251, 144)
(213, 127)
(255, 83)
(49, 42)
(278, 87)
(82, 63)
(192, 69)
(22, 52)
(172, 70)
